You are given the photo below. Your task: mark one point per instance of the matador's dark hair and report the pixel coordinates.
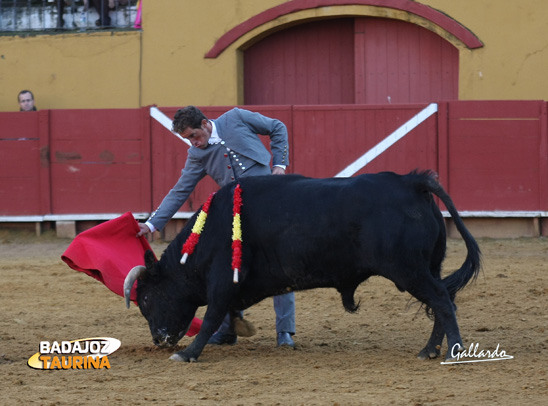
(189, 116)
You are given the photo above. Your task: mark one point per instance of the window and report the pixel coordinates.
(66, 15)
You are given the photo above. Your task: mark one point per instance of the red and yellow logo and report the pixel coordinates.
(86, 353)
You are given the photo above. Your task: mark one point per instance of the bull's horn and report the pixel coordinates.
(135, 273)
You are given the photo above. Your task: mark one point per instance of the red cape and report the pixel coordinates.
(108, 251)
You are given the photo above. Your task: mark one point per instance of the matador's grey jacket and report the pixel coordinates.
(240, 153)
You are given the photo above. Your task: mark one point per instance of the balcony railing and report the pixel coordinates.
(35, 16)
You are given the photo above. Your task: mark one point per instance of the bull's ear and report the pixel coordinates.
(150, 259)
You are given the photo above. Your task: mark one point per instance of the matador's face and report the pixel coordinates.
(198, 137)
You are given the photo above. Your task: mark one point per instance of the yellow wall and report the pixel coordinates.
(165, 64)
(175, 71)
(512, 64)
(71, 71)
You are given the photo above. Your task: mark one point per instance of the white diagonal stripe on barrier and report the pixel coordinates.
(382, 146)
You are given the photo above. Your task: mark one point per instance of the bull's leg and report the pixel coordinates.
(433, 346)
(432, 292)
(220, 293)
(212, 320)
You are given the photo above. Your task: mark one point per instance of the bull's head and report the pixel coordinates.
(160, 301)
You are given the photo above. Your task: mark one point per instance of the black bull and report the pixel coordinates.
(300, 233)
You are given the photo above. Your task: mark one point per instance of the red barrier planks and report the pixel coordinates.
(20, 164)
(329, 138)
(494, 155)
(99, 161)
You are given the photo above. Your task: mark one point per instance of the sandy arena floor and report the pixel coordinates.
(367, 358)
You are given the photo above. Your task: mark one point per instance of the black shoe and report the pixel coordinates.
(284, 340)
(223, 338)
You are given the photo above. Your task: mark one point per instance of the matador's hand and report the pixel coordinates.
(143, 229)
(276, 170)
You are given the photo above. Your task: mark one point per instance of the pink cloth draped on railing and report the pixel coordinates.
(138, 16)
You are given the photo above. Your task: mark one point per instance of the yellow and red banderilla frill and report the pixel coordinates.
(237, 233)
(194, 237)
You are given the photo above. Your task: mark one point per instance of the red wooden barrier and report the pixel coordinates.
(100, 161)
(75, 161)
(497, 155)
(326, 139)
(24, 167)
(491, 155)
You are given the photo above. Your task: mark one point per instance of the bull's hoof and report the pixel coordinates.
(452, 354)
(244, 328)
(181, 357)
(429, 353)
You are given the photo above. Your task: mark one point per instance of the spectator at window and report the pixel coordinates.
(102, 7)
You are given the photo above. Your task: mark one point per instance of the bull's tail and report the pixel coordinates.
(472, 265)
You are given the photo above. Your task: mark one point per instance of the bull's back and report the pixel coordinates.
(335, 228)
